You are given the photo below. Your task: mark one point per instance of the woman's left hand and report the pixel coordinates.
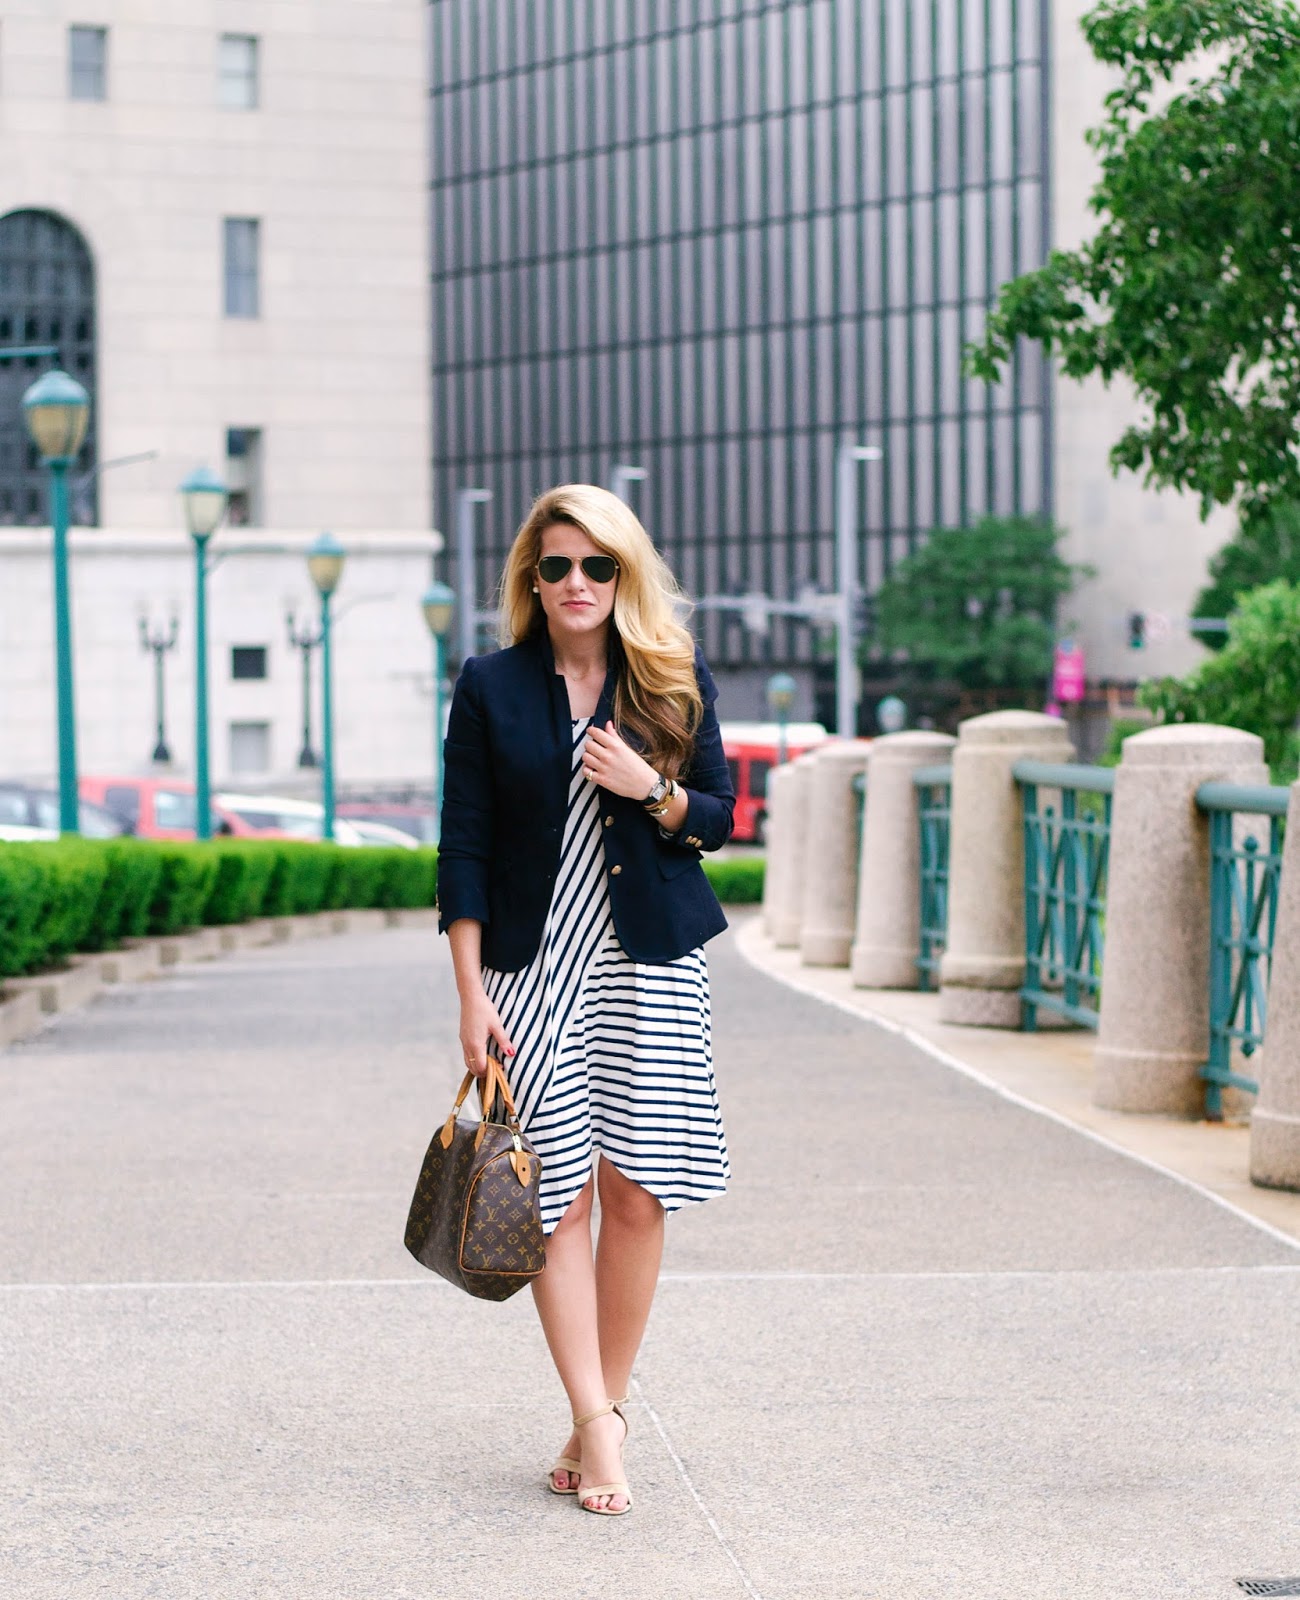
(614, 765)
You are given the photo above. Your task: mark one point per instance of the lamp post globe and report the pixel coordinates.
(325, 558)
(204, 496)
(438, 604)
(57, 411)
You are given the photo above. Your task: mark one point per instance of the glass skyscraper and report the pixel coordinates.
(717, 238)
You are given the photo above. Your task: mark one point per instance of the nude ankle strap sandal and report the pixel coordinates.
(573, 1467)
(586, 1493)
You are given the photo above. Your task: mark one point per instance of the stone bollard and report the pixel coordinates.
(830, 879)
(776, 874)
(1153, 1036)
(983, 964)
(887, 937)
(787, 843)
(1275, 1121)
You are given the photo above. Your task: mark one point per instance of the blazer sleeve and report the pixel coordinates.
(465, 834)
(710, 797)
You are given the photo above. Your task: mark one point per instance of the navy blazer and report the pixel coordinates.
(507, 766)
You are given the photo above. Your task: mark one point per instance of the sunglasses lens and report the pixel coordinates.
(600, 569)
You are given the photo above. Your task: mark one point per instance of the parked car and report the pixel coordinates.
(32, 806)
(380, 834)
(752, 749)
(270, 815)
(418, 821)
(156, 808)
(20, 833)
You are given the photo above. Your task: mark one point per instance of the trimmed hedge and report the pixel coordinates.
(737, 882)
(89, 894)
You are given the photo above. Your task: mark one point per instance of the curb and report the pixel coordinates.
(27, 1005)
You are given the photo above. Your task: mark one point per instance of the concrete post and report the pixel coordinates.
(1154, 1031)
(1275, 1120)
(983, 964)
(776, 872)
(887, 937)
(830, 879)
(787, 843)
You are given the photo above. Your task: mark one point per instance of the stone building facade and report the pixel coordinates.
(217, 211)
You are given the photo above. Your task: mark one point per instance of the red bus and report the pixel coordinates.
(751, 749)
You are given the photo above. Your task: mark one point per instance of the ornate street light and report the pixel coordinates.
(325, 558)
(159, 641)
(204, 496)
(438, 603)
(57, 409)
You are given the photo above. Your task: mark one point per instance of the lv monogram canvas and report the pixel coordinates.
(475, 1218)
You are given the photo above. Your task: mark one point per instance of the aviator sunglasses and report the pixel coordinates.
(600, 569)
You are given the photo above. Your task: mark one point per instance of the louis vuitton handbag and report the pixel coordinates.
(475, 1217)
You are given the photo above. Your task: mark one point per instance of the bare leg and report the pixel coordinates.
(565, 1295)
(628, 1253)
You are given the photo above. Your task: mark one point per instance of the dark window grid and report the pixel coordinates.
(581, 150)
(633, 345)
(592, 53)
(520, 451)
(806, 216)
(47, 296)
(659, 36)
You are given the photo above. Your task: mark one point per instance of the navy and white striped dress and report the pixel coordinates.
(610, 1054)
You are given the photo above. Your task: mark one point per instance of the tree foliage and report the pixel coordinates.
(1266, 547)
(1191, 285)
(977, 605)
(1252, 683)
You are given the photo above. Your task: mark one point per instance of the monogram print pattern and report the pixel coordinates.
(471, 1220)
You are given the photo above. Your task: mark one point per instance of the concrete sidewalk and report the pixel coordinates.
(932, 1344)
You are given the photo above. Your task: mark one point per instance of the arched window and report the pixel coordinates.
(47, 296)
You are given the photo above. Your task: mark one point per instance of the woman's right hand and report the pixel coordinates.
(479, 1026)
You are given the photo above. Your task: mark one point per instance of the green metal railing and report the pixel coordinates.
(1066, 854)
(1245, 874)
(933, 809)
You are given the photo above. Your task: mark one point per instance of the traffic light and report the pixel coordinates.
(1137, 630)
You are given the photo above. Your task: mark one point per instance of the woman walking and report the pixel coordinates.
(583, 777)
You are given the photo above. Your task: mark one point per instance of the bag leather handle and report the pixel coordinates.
(490, 1085)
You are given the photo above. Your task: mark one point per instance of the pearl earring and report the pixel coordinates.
(536, 590)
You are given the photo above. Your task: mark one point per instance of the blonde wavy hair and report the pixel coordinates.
(656, 697)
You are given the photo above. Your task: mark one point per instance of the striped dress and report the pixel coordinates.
(610, 1054)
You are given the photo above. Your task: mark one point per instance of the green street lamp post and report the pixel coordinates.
(438, 603)
(205, 497)
(58, 410)
(325, 558)
(781, 690)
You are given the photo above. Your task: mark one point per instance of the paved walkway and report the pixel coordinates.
(932, 1346)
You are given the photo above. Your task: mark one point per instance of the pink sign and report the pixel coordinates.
(1069, 677)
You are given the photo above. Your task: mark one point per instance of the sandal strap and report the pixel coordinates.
(600, 1411)
(566, 1464)
(606, 1488)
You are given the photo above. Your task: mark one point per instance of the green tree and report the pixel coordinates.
(977, 606)
(1252, 683)
(1190, 286)
(1266, 547)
